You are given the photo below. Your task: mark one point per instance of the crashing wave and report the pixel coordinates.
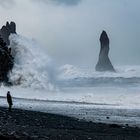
(32, 64)
(71, 72)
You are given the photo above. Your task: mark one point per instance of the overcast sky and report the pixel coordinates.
(70, 29)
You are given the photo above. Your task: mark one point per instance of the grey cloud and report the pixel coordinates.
(7, 3)
(60, 2)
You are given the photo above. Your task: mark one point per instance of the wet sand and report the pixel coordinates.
(23, 124)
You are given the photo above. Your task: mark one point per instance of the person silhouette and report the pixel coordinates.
(9, 100)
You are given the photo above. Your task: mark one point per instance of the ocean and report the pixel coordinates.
(34, 76)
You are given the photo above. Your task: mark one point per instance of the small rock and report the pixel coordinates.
(107, 117)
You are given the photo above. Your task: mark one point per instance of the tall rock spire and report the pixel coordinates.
(104, 63)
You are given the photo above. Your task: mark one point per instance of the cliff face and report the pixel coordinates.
(6, 59)
(104, 63)
(6, 30)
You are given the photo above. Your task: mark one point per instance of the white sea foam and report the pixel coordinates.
(32, 64)
(69, 72)
(33, 70)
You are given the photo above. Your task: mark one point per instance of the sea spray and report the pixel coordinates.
(32, 66)
(71, 72)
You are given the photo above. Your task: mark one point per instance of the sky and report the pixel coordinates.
(70, 29)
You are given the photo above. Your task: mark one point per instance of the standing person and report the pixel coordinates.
(9, 100)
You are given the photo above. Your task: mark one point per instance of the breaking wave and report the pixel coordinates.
(32, 64)
(33, 68)
(72, 76)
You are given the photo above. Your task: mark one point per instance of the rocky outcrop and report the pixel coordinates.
(6, 30)
(104, 63)
(6, 59)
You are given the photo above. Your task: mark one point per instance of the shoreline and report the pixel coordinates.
(23, 124)
(95, 113)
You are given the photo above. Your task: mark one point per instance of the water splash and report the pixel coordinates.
(32, 64)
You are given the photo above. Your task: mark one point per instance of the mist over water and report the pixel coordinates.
(33, 68)
(62, 65)
(70, 30)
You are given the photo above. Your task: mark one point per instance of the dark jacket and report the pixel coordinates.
(9, 99)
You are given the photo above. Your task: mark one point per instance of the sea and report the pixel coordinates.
(34, 76)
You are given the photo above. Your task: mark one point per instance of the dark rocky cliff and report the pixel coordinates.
(6, 59)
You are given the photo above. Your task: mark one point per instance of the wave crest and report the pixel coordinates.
(32, 65)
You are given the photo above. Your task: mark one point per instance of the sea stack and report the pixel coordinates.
(6, 58)
(104, 63)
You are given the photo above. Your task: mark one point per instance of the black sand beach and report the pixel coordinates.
(22, 124)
